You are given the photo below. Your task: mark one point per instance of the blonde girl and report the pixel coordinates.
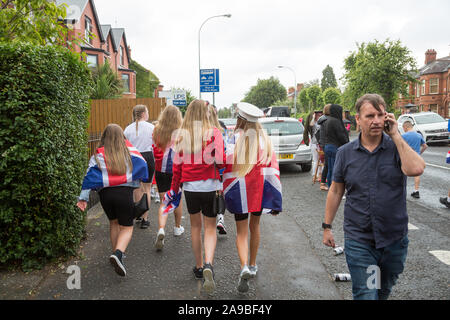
(198, 146)
(251, 165)
(168, 122)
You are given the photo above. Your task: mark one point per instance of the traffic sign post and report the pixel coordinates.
(209, 80)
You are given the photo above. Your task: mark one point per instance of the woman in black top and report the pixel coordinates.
(333, 135)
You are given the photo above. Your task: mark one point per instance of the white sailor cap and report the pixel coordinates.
(249, 112)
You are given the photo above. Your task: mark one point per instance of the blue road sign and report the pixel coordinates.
(209, 80)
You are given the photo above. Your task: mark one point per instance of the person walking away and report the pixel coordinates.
(169, 121)
(309, 137)
(251, 186)
(416, 142)
(335, 135)
(115, 170)
(222, 128)
(321, 145)
(199, 154)
(139, 133)
(373, 170)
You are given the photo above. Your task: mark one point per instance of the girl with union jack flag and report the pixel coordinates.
(115, 170)
(251, 185)
(199, 154)
(169, 121)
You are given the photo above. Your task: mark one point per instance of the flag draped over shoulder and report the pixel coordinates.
(259, 190)
(98, 177)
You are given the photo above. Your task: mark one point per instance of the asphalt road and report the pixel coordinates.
(293, 262)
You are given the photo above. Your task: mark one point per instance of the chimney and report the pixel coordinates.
(430, 56)
(129, 52)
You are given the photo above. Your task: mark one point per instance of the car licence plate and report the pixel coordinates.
(286, 156)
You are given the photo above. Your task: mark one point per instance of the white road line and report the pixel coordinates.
(442, 255)
(412, 227)
(436, 166)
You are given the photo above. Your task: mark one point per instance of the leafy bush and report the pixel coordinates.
(44, 110)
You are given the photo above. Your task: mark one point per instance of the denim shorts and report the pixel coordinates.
(375, 271)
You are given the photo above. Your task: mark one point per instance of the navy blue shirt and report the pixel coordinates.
(375, 206)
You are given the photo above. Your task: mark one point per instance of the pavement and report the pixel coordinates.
(288, 267)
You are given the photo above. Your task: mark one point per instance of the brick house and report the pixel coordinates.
(100, 42)
(432, 91)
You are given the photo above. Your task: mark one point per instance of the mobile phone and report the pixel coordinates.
(387, 126)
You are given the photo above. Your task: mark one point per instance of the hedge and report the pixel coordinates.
(44, 109)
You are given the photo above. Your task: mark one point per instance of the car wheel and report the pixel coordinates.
(306, 167)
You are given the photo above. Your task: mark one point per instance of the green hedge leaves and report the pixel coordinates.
(44, 109)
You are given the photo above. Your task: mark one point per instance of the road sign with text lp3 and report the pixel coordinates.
(209, 80)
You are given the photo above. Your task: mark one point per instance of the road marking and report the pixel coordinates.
(442, 255)
(436, 166)
(412, 227)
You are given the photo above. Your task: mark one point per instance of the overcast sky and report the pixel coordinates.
(262, 34)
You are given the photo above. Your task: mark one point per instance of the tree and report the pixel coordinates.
(331, 95)
(381, 68)
(265, 93)
(146, 81)
(314, 95)
(107, 84)
(34, 21)
(224, 113)
(304, 100)
(328, 78)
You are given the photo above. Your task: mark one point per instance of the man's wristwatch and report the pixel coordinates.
(326, 226)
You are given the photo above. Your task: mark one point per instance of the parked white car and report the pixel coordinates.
(287, 140)
(430, 125)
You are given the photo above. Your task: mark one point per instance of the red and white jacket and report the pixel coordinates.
(199, 166)
(163, 159)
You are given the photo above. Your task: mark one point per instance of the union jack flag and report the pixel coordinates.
(448, 156)
(171, 201)
(99, 177)
(259, 190)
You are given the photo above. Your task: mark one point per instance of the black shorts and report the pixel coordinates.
(148, 156)
(117, 202)
(163, 181)
(244, 216)
(200, 201)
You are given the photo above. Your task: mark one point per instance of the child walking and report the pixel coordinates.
(115, 170)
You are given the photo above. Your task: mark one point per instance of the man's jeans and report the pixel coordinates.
(364, 262)
(330, 152)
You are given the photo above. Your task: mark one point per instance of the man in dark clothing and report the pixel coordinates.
(320, 140)
(373, 170)
(334, 135)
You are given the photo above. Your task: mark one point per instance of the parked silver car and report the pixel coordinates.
(430, 125)
(287, 139)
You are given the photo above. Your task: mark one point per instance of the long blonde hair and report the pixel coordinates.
(169, 120)
(117, 156)
(195, 126)
(213, 118)
(253, 147)
(138, 112)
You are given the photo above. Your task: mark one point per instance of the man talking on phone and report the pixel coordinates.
(373, 170)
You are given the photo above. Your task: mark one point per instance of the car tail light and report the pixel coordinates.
(279, 121)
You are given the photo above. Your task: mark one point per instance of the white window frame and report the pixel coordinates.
(434, 85)
(90, 65)
(422, 88)
(88, 30)
(126, 77)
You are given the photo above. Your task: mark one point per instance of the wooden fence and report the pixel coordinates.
(119, 111)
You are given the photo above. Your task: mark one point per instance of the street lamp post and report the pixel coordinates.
(295, 86)
(222, 15)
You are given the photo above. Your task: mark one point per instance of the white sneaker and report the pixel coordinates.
(159, 243)
(178, 231)
(157, 200)
(253, 270)
(221, 224)
(243, 279)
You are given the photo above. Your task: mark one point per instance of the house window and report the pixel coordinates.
(434, 86)
(417, 90)
(422, 90)
(92, 60)
(433, 108)
(87, 30)
(126, 82)
(122, 63)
